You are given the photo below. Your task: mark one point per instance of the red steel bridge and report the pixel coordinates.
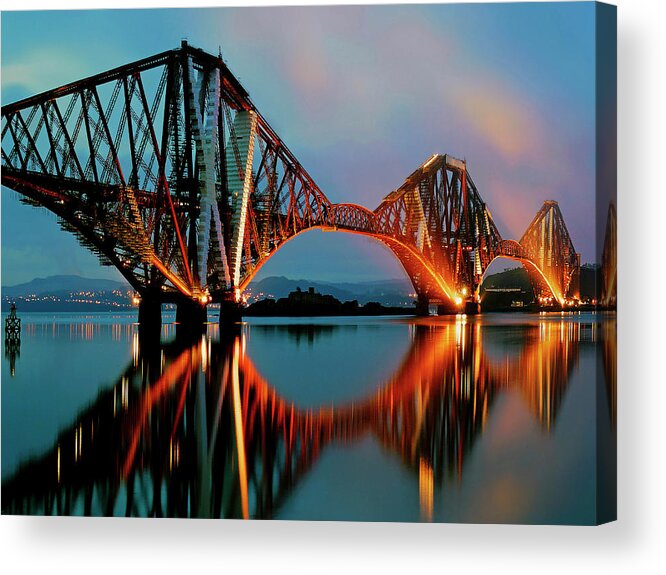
(166, 170)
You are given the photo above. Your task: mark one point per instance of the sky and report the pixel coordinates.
(362, 95)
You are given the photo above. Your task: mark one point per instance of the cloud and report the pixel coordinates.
(345, 82)
(342, 74)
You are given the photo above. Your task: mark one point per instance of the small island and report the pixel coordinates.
(312, 303)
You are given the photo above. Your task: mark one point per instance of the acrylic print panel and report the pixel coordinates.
(332, 263)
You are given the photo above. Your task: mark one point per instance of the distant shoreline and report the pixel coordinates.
(388, 312)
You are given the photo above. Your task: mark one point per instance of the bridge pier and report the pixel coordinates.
(191, 317)
(231, 312)
(150, 321)
(472, 308)
(422, 306)
(447, 309)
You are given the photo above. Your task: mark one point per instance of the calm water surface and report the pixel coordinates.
(466, 419)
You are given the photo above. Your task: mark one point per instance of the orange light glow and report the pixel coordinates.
(426, 490)
(240, 438)
(174, 279)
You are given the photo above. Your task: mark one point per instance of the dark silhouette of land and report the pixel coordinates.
(312, 303)
(390, 292)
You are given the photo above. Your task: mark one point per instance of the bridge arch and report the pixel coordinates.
(354, 219)
(532, 269)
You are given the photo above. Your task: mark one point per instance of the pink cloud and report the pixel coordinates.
(513, 204)
(332, 78)
(499, 116)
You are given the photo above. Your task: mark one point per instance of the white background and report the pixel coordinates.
(635, 543)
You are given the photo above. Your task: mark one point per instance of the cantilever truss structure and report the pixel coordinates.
(163, 167)
(166, 170)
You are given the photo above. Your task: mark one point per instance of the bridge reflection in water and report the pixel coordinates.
(196, 431)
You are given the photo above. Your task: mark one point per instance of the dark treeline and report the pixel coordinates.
(312, 303)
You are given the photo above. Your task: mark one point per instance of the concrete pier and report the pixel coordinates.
(447, 309)
(422, 306)
(191, 314)
(150, 322)
(472, 308)
(231, 312)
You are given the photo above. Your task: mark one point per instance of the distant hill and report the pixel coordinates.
(394, 292)
(518, 279)
(68, 293)
(65, 283)
(514, 278)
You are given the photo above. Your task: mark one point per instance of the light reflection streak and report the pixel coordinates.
(240, 435)
(426, 490)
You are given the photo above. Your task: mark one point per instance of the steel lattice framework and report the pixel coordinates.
(439, 214)
(552, 260)
(166, 170)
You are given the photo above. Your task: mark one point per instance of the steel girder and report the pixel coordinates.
(439, 212)
(165, 169)
(145, 163)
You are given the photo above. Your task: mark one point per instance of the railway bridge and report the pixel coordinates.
(166, 170)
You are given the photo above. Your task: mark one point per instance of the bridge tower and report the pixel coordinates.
(550, 257)
(441, 230)
(166, 170)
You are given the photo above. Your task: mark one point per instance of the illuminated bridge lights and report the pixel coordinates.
(196, 221)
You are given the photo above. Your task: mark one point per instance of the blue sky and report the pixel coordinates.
(362, 96)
